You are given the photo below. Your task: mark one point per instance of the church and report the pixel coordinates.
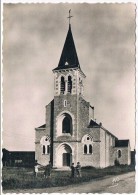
(70, 133)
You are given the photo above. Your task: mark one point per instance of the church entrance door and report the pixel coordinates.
(66, 159)
(63, 155)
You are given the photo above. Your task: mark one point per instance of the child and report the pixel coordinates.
(78, 169)
(36, 170)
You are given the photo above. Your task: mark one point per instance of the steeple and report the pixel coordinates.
(68, 76)
(69, 58)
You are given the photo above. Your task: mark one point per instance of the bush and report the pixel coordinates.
(88, 167)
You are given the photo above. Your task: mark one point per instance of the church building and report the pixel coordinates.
(70, 133)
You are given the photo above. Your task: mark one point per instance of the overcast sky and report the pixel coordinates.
(34, 35)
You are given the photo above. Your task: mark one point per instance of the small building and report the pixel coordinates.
(18, 158)
(122, 152)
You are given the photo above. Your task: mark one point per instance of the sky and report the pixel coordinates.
(33, 39)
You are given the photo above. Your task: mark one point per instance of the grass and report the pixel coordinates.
(23, 178)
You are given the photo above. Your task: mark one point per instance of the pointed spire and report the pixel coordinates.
(69, 58)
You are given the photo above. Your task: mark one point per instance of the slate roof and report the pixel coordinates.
(121, 143)
(69, 58)
(42, 126)
(93, 124)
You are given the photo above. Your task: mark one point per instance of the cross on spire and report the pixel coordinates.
(69, 16)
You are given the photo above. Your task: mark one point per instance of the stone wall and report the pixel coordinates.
(125, 155)
(59, 109)
(107, 156)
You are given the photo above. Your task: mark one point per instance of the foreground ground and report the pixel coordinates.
(116, 179)
(124, 183)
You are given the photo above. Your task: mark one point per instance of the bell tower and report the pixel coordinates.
(68, 92)
(68, 76)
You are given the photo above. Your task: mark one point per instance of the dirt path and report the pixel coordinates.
(124, 183)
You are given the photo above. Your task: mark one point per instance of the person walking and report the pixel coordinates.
(72, 170)
(48, 169)
(78, 169)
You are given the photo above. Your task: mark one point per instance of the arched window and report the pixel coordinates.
(62, 85)
(45, 144)
(85, 149)
(90, 149)
(69, 84)
(48, 149)
(66, 125)
(87, 141)
(119, 153)
(44, 149)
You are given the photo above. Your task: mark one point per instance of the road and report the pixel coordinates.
(124, 183)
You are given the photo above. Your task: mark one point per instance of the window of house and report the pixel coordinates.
(48, 149)
(90, 149)
(45, 144)
(85, 149)
(87, 141)
(66, 63)
(44, 149)
(66, 125)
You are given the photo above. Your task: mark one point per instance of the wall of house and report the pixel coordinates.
(79, 108)
(112, 155)
(57, 154)
(41, 132)
(125, 155)
(102, 148)
(39, 156)
(107, 155)
(129, 155)
(89, 159)
(83, 117)
(94, 158)
(59, 109)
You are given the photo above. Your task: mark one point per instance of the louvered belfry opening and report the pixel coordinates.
(69, 84)
(62, 86)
